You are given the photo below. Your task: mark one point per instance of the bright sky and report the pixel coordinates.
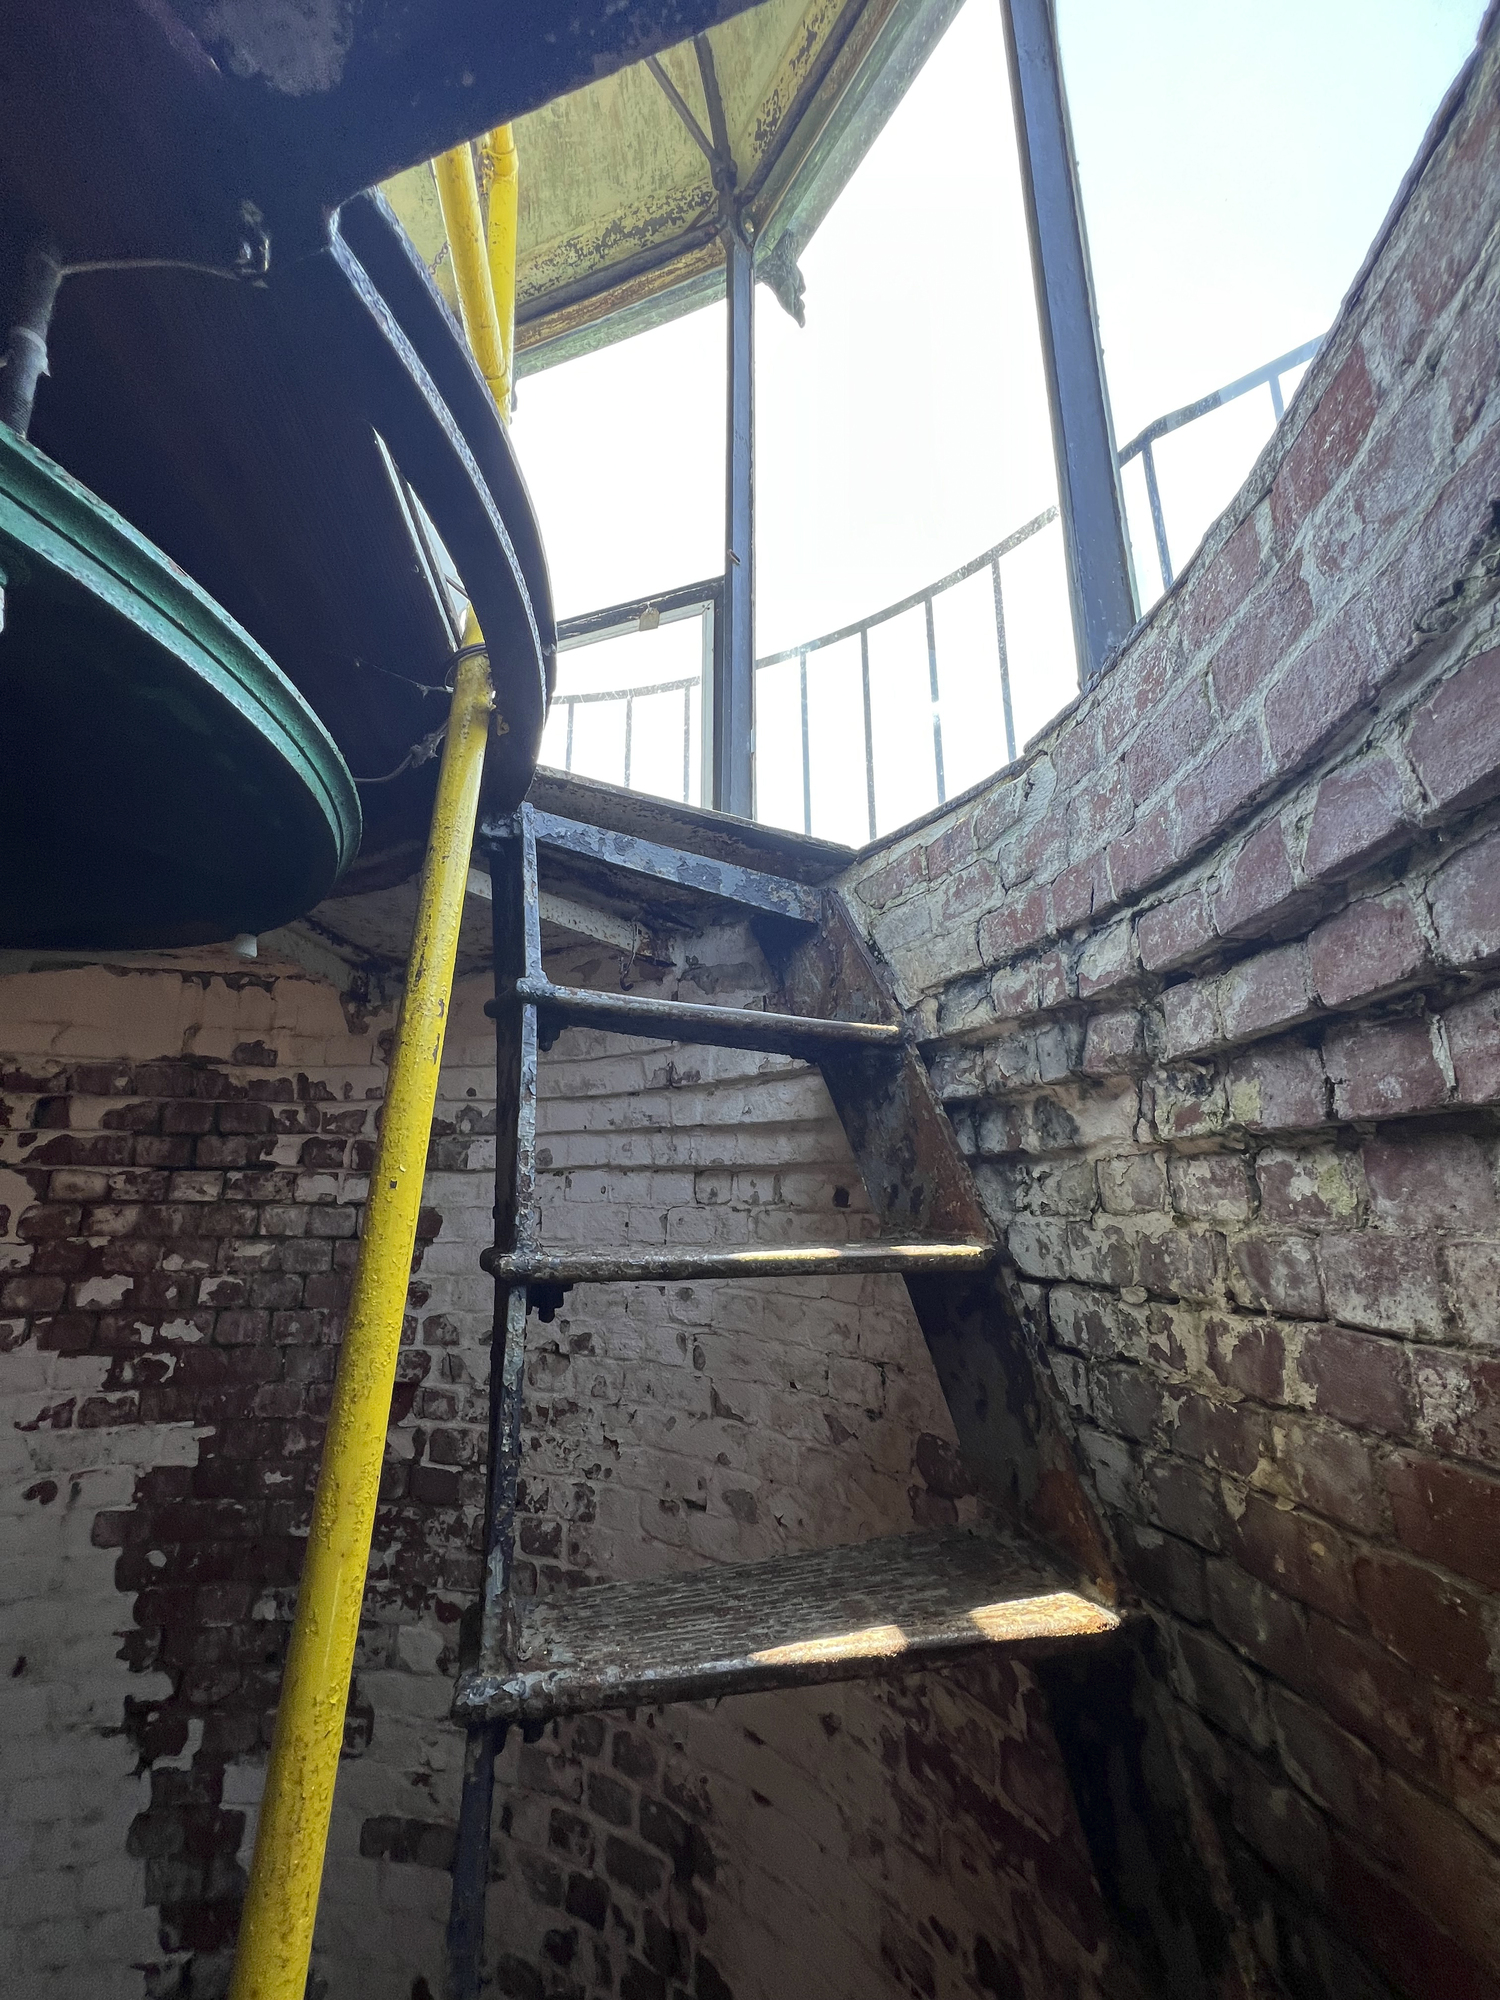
(1236, 159)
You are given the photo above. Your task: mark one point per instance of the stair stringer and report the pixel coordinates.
(1014, 1439)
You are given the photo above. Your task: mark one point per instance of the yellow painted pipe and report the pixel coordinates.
(499, 189)
(276, 1931)
(458, 197)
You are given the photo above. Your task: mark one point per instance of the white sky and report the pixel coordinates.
(1236, 159)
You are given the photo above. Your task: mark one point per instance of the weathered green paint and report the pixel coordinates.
(161, 780)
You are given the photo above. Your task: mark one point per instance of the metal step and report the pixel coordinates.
(668, 1264)
(685, 1021)
(827, 1615)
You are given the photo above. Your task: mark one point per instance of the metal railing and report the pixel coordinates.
(647, 614)
(1140, 445)
(703, 600)
(862, 629)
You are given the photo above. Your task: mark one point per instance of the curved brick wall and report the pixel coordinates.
(1209, 985)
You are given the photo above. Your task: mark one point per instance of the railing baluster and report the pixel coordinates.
(864, 677)
(1158, 522)
(1277, 405)
(1004, 652)
(629, 726)
(806, 751)
(568, 759)
(687, 744)
(937, 717)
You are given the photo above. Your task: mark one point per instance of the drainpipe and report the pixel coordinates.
(281, 1906)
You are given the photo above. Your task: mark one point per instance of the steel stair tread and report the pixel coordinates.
(670, 1263)
(824, 1615)
(683, 1020)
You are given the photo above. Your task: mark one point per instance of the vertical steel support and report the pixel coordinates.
(864, 688)
(1003, 651)
(937, 706)
(517, 953)
(1100, 584)
(734, 694)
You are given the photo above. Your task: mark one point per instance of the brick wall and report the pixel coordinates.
(1209, 986)
(181, 1167)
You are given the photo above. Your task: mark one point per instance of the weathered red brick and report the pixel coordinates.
(1190, 1018)
(1329, 1764)
(1276, 1273)
(1227, 1436)
(1454, 738)
(1473, 1030)
(1254, 885)
(1143, 855)
(1382, 1069)
(1298, 1554)
(1397, 1934)
(1174, 734)
(1329, 1469)
(1218, 586)
(1372, 947)
(1464, 897)
(1325, 446)
(1174, 932)
(1278, 1089)
(1017, 924)
(1386, 1283)
(1309, 1187)
(1432, 1623)
(1185, 1500)
(1372, 1694)
(1448, 1514)
(1270, 1628)
(1276, 617)
(1271, 991)
(1357, 1378)
(1078, 891)
(1249, 1355)
(1458, 1397)
(1437, 1180)
(1211, 1187)
(1114, 1042)
(1107, 960)
(1358, 815)
(1322, 690)
(1214, 795)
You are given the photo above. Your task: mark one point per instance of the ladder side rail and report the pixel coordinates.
(517, 951)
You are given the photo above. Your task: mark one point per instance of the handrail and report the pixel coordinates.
(1140, 445)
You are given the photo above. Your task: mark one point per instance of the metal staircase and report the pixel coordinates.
(828, 1614)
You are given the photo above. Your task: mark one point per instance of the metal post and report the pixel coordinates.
(733, 696)
(864, 679)
(806, 747)
(1088, 488)
(1004, 654)
(1158, 519)
(937, 711)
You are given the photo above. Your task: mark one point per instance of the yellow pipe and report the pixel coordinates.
(276, 1931)
(499, 188)
(458, 197)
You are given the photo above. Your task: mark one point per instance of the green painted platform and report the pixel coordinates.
(161, 780)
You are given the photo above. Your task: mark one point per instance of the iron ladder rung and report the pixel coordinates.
(667, 1264)
(681, 1020)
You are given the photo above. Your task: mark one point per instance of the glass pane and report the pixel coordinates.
(623, 451)
(904, 429)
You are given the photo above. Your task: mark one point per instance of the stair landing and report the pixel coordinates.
(826, 1615)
